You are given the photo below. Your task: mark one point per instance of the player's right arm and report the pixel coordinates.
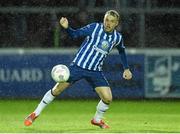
(84, 31)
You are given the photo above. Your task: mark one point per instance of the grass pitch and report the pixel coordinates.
(73, 116)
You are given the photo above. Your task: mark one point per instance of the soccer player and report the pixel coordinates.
(100, 38)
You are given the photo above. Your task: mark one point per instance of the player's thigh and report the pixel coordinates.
(75, 75)
(104, 93)
(59, 87)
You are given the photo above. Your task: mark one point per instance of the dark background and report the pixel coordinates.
(35, 23)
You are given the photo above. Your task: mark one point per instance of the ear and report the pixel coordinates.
(117, 23)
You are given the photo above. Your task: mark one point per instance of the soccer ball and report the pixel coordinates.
(60, 73)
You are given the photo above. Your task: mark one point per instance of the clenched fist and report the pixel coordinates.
(127, 74)
(64, 22)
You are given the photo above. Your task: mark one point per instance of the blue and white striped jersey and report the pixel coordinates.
(96, 45)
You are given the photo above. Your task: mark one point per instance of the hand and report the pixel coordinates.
(127, 74)
(64, 22)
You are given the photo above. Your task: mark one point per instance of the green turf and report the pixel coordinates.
(74, 116)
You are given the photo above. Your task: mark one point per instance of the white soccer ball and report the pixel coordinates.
(60, 73)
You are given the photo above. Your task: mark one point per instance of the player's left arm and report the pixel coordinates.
(121, 48)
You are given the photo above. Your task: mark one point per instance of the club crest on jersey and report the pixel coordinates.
(104, 45)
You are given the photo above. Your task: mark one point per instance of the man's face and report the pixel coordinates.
(110, 22)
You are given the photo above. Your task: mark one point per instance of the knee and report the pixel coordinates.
(56, 92)
(107, 99)
(58, 88)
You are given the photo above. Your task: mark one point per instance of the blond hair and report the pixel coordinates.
(113, 13)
